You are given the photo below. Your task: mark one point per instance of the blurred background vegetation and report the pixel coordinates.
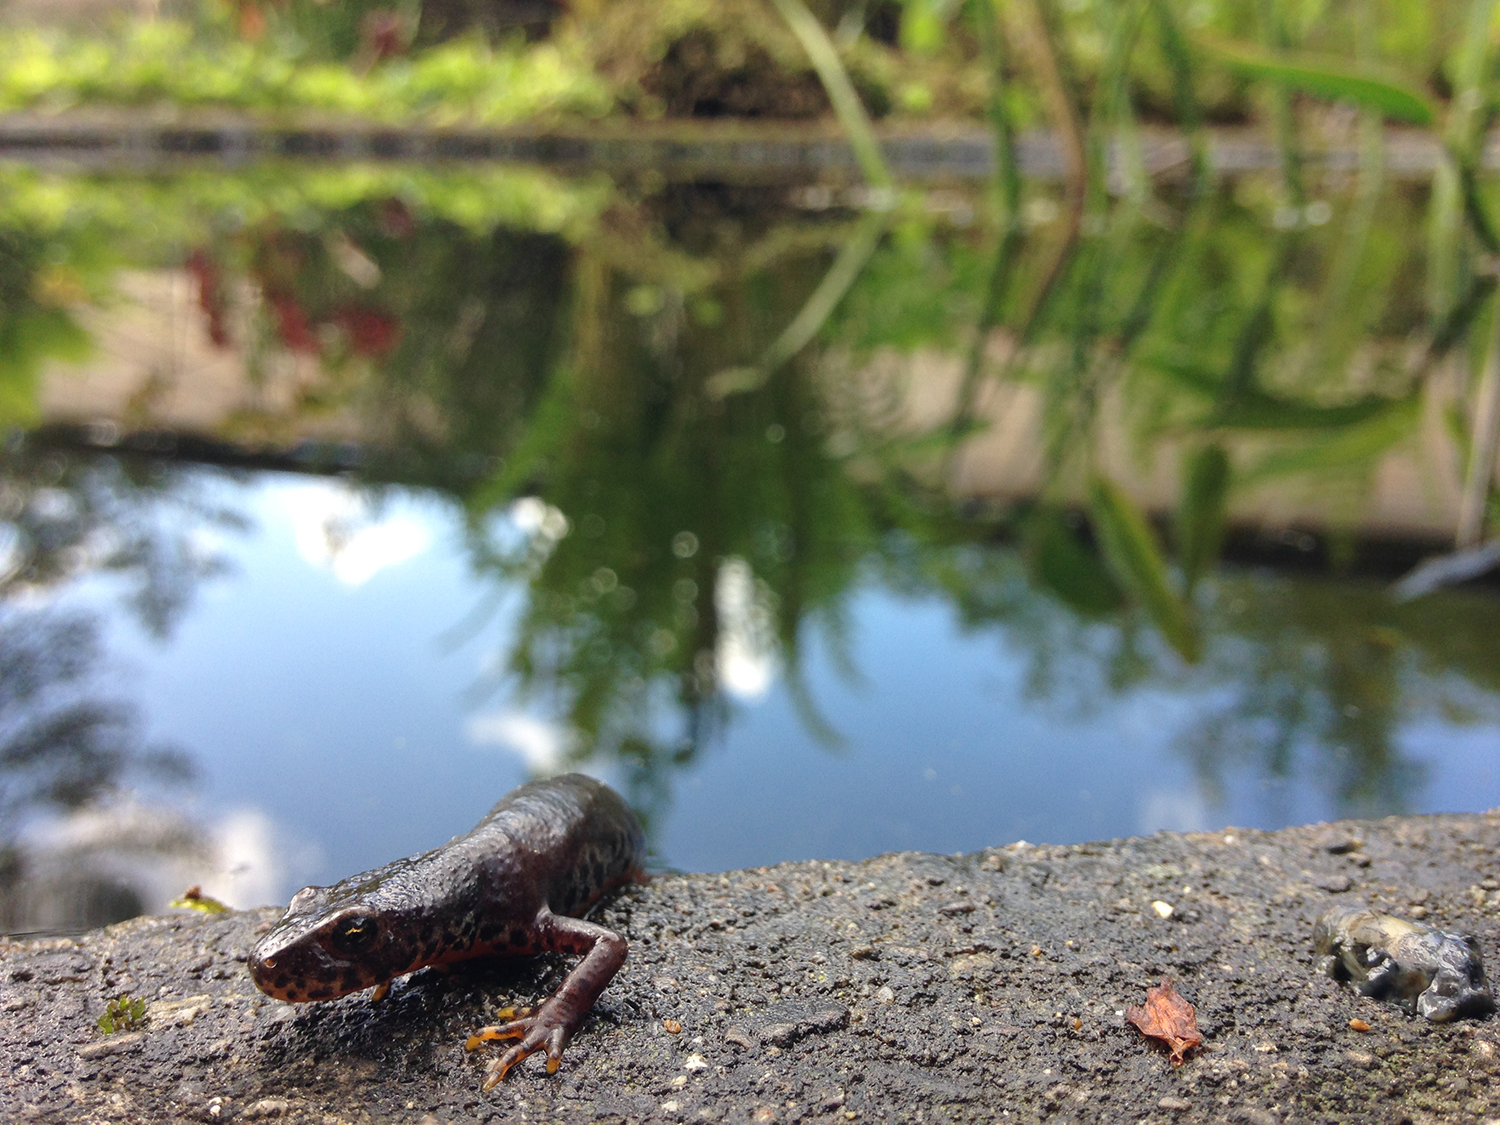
(506, 60)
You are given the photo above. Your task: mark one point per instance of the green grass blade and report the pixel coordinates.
(1257, 410)
(1057, 559)
(1200, 517)
(846, 104)
(1134, 556)
(1327, 79)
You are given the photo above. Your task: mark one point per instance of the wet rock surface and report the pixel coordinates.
(923, 988)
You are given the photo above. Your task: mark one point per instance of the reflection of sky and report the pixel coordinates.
(325, 685)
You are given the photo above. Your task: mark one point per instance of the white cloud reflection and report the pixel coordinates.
(157, 851)
(336, 530)
(1172, 811)
(543, 746)
(535, 516)
(745, 658)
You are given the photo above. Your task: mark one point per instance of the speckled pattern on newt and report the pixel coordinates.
(516, 884)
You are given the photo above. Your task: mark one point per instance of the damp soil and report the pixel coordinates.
(910, 987)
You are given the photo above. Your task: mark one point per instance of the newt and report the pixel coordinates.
(518, 883)
(1430, 972)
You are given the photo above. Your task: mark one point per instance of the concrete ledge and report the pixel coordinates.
(910, 987)
(141, 137)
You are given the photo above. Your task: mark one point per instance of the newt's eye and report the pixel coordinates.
(353, 934)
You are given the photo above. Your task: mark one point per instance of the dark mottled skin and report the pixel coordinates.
(516, 884)
(1428, 971)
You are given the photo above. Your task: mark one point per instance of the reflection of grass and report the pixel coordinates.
(1303, 679)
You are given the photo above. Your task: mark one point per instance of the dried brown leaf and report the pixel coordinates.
(1168, 1017)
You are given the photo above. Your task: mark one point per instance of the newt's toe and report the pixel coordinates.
(535, 1032)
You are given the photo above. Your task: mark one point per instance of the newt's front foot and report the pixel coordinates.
(554, 1023)
(535, 1028)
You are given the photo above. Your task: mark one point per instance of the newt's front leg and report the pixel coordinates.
(553, 1024)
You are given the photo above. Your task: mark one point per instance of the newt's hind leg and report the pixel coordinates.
(553, 1024)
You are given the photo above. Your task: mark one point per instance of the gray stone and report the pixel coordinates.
(777, 978)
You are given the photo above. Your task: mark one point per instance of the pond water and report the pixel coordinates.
(337, 503)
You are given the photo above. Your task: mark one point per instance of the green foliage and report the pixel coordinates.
(1329, 80)
(920, 287)
(1349, 447)
(1202, 511)
(378, 59)
(1134, 556)
(94, 224)
(194, 899)
(34, 327)
(164, 62)
(1059, 560)
(123, 1013)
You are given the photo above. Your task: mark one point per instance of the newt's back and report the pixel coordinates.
(571, 837)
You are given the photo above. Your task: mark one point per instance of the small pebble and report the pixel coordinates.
(1175, 1103)
(1358, 1025)
(266, 1107)
(740, 1038)
(1163, 909)
(673, 1026)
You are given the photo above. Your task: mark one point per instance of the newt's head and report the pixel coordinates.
(326, 945)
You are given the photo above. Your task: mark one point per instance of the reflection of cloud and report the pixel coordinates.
(108, 861)
(12, 554)
(543, 746)
(249, 870)
(335, 529)
(745, 659)
(535, 516)
(1176, 812)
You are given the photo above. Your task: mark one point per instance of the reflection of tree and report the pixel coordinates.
(65, 517)
(435, 338)
(661, 486)
(34, 326)
(1076, 656)
(63, 746)
(62, 516)
(1335, 670)
(458, 389)
(1305, 681)
(60, 748)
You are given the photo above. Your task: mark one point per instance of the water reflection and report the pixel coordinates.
(64, 749)
(73, 853)
(1306, 681)
(1338, 673)
(662, 549)
(67, 517)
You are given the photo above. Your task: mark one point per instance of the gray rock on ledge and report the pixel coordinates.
(910, 987)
